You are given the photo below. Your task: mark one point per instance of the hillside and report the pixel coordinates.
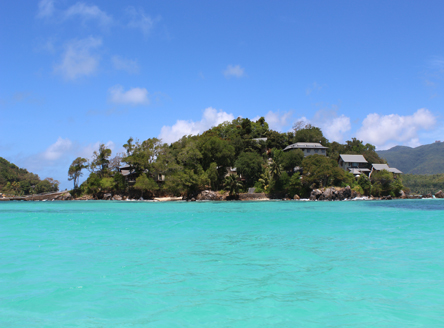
(17, 181)
(426, 159)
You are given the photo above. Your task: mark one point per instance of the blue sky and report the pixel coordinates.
(75, 74)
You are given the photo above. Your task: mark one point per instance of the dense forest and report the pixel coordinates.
(423, 183)
(16, 181)
(207, 161)
(425, 159)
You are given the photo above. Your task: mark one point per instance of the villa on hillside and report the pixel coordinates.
(380, 167)
(230, 171)
(355, 164)
(130, 175)
(308, 148)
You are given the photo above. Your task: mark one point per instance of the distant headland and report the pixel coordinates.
(241, 159)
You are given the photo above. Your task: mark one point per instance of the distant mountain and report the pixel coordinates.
(426, 159)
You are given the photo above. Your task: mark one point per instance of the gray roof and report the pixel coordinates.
(125, 172)
(380, 167)
(305, 145)
(353, 158)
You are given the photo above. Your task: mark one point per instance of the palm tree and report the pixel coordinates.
(265, 178)
(276, 164)
(233, 184)
(275, 169)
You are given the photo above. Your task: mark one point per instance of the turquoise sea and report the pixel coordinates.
(222, 264)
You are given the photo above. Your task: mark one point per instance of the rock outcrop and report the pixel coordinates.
(209, 195)
(117, 197)
(85, 197)
(64, 196)
(296, 197)
(250, 197)
(315, 194)
(439, 194)
(107, 196)
(333, 194)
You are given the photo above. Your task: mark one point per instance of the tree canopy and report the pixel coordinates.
(197, 162)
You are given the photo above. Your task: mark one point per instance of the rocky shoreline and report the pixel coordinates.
(325, 194)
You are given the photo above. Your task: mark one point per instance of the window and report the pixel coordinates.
(316, 150)
(308, 150)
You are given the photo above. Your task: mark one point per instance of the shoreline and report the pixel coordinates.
(326, 194)
(180, 199)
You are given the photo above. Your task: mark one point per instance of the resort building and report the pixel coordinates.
(355, 164)
(159, 178)
(230, 171)
(380, 167)
(129, 173)
(259, 139)
(308, 148)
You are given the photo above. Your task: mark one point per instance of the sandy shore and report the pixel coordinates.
(167, 199)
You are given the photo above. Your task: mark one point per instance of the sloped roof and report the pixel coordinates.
(353, 158)
(125, 172)
(306, 145)
(380, 167)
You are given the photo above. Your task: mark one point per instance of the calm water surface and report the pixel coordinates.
(226, 264)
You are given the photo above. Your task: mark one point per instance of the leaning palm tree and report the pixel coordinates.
(233, 184)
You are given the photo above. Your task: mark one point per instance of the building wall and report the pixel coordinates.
(312, 151)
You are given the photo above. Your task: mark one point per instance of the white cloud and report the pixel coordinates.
(333, 126)
(57, 149)
(234, 71)
(134, 96)
(211, 117)
(138, 19)
(276, 120)
(336, 128)
(128, 65)
(385, 130)
(46, 8)
(88, 12)
(78, 59)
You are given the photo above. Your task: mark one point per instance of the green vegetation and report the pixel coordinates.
(18, 182)
(426, 159)
(423, 184)
(205, 161)
(75, 170)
